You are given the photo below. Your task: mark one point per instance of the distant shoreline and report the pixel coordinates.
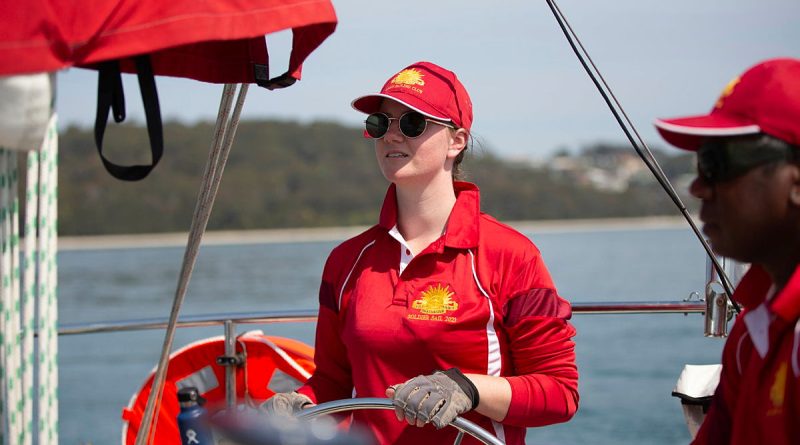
(270, 236)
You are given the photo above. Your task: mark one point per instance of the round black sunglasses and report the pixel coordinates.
(412, 124)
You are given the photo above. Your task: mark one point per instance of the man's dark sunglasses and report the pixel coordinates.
(721, 159)
(412, 124)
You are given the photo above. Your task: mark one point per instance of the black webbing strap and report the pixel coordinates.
(261, 75)
(111, 97)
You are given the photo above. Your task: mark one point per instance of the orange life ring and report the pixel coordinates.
(272, 364)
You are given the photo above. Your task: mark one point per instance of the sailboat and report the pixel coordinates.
(678, 307)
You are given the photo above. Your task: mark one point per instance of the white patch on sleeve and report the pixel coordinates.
(341, 291)
(757, 322)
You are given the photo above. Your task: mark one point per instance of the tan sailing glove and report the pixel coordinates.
(438, 398)
(286, 404)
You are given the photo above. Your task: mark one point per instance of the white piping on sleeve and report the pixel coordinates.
(353, 413)
(739, 353)
(341, 291)
(494, 360)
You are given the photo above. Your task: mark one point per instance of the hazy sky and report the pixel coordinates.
(530, 94)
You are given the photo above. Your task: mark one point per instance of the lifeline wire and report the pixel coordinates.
(641, 147)
(224, 132)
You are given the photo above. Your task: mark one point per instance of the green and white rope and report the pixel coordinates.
(12, 376)
(11, 353)
(46, 278)
(28, 288)
(24, 280)
(11, 226)
(27, 294)
(6, 353)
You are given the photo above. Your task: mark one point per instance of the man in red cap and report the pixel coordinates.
(748, 181)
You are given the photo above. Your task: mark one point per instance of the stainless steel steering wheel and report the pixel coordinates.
(337, 406)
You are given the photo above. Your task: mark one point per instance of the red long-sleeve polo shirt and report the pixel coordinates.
(757, 400)
(479, 298)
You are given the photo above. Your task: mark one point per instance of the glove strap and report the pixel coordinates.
(465, 384)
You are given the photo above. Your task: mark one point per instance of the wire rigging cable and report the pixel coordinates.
(224, 132)
(638, 143)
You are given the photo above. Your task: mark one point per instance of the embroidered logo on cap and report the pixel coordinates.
(410, 76)
(435, 301)
(727, 92)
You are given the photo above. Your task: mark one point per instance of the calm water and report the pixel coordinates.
(628, 363)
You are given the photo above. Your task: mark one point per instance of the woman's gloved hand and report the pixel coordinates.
(437, 398)
(286, 404)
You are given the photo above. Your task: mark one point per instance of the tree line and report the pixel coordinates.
(289, 174)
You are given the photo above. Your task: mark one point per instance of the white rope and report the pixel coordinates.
(9, 301)
(6, 349)
(46, 276)
(224, 132)
(9, 270)
(11, 225)
(28, 288)
(17, 299)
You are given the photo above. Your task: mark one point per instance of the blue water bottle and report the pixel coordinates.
(193, 418)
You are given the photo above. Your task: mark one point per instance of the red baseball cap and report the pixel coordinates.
(427, 88)
(765, 98)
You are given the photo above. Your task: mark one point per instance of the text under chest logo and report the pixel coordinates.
(433, 303)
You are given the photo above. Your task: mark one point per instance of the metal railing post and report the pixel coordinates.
(230, 365)
(719, 309)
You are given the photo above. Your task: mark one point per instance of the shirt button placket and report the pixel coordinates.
(401, 293)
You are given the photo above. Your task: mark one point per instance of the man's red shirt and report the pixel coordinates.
(757, 400)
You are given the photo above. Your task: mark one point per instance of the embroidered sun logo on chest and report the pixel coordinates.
(435, 300)
(777, 392)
